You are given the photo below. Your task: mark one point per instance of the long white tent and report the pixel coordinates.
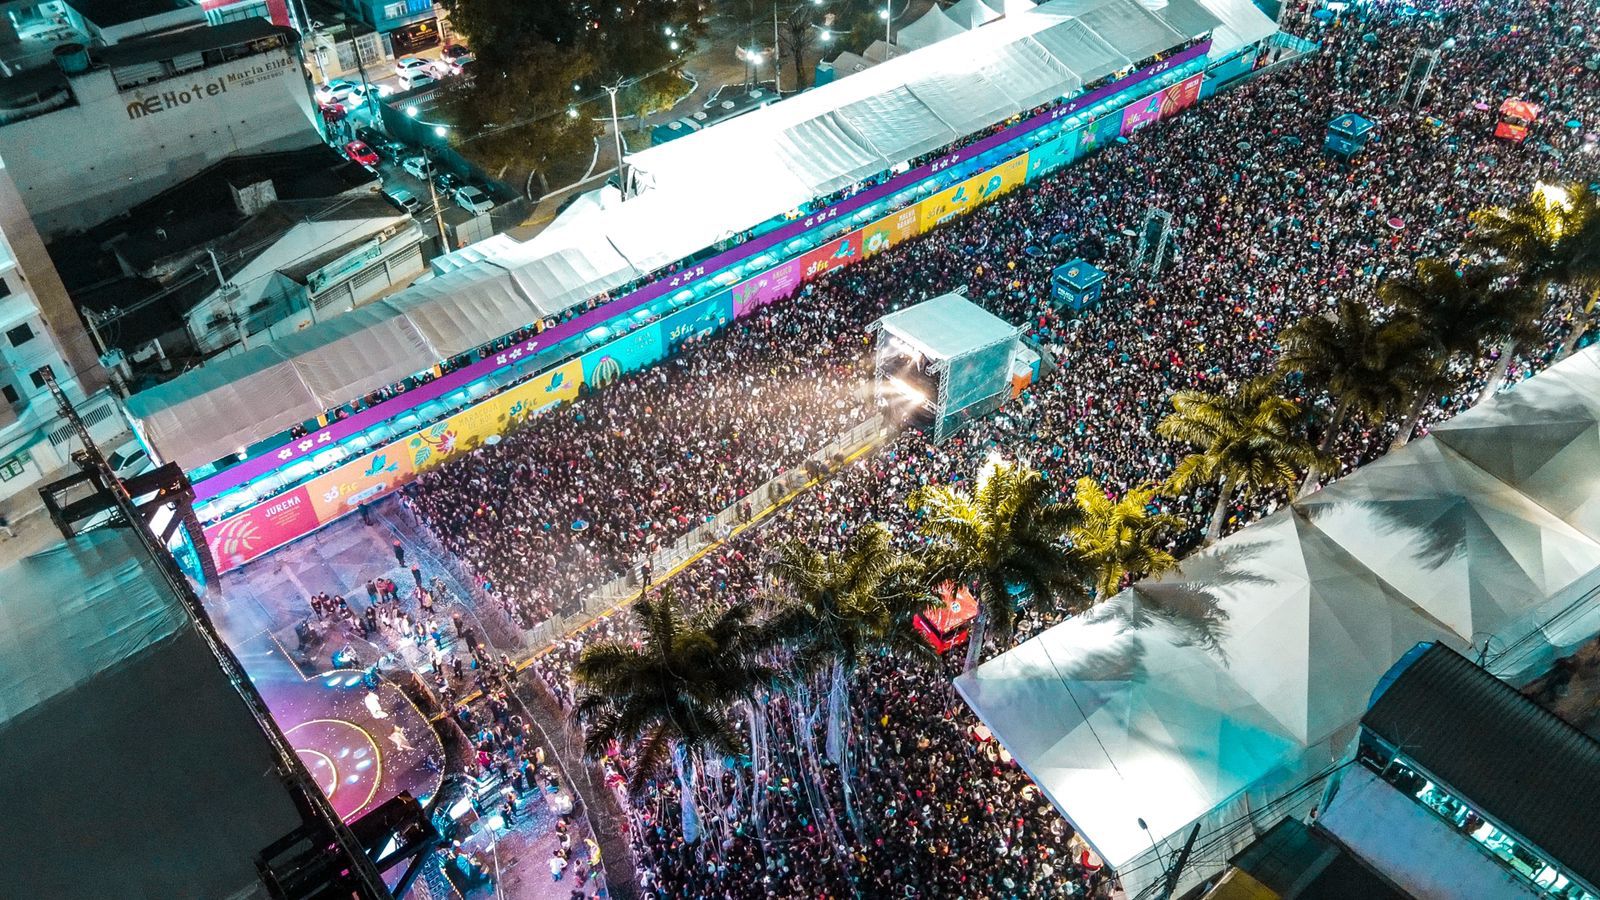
(1210, 694)
(694, 192)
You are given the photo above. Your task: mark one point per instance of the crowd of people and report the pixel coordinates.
(1267, 230)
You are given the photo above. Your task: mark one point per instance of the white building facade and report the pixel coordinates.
(38, 329)
(116, 125)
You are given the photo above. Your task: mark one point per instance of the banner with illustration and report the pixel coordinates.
(782, 280)
(1099, 133)
(1141, 112)
(271, 523)
(699, 320)
(773, 284)
(604, 365)
(356, 482)
(1059, 151)
(891, 230)
(980, 188)
(1182, 95)
(466, 430)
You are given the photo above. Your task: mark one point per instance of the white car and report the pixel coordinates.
(418, 167)
(417, 80)
(406, 66)
(473, 200)
(369, 93)
(129, 460)
(336, 91)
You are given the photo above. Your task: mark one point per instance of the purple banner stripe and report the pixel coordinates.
(439, 387)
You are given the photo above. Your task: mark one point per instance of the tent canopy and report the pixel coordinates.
(1479, 537)
(933, 27)
(693, 193)
(970, 14)
(947, 326)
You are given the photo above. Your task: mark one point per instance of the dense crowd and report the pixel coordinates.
(1267, 230)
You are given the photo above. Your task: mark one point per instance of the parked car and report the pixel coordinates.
(444, 182)
(417, 80)
(473, 200)
(336, 91)
(403, 199)
(372, 137)
(455, 53)
(129, 460)
(406, 66)
(418, 166)
(360, 153)
(369, 93)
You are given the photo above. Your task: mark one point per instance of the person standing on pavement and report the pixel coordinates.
(399, 552)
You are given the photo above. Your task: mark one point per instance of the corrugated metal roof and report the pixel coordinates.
(1511, 759)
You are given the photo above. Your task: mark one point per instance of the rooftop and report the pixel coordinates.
(948, 326)
(188, 40)
(108, 13)
(1512, 759)
(97, 653)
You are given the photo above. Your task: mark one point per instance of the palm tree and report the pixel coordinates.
(1249, 439)
(1116, 539)
(1551, 239)
(1369, 366)
(1464, 312)
(1008, 533)
(836, 609)
(671, 697)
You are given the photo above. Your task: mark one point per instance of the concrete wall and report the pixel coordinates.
(80, 165)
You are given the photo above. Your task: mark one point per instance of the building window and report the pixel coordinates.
(10, 393)
(394, 10)
(12, 467)
(5, 288)
(38, 376)
(20, 335)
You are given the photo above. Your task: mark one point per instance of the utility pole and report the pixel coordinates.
(433, 194)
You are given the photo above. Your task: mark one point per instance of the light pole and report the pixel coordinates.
(888, 20)
(616, 130)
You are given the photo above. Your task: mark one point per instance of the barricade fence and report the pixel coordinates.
(715, 529)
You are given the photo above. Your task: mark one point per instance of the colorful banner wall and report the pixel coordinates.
(629, 353)
(367, 477)
(1052, 154)
(698, 320)
(1099, 133)
(260, 528)
(979, 189)
(1181, 96)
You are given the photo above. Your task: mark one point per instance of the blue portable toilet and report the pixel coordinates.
(1077, 285)
(1348, 135)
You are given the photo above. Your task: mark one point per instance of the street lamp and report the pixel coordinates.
(616, 130)
(888, 21)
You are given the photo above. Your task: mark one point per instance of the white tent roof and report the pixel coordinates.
(1285, 627)
(1243, 23)
(947, 326)
(933, 27)
(695, 192)
(1010, 7)
(970, 14)
(1543, 438)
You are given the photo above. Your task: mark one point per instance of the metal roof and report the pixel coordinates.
(1510, 758)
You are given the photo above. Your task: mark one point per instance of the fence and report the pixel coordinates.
(668, 560)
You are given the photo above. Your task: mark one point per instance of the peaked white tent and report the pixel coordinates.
(933, 27)
(1481, 538)
(970, 14)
